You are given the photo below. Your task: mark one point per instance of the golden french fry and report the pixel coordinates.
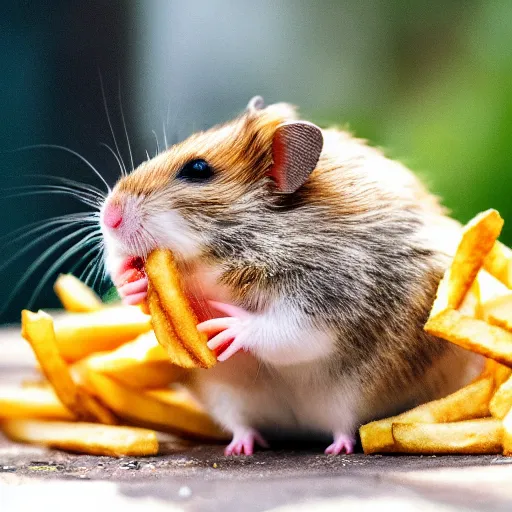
(499, 263)
(483, 436)
(472, 334)
(37, 329)
(32, 402)
(498, 311)
(471, 401)
(499, 372)
(501, 402)
(75, 295)
(81, 334)
(114, 441)
(470, 305)
(167, 337)
(478, 238)
(142, 363)
(490, 287)
(177, 413)
(173, 319)
(507, 434)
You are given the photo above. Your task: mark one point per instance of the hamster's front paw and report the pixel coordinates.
(131, 281)
(230, 334)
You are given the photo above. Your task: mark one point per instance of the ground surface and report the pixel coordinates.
(193, 478)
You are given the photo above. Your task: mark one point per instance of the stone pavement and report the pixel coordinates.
(193, 477)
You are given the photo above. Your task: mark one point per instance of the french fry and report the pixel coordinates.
(478, 238)
(501, 402)
(499, 372)
(470, 305)
(173, 319)
(471, 401)
(142, 363)
(76, 296)
(37, 329)
(483, 436)
(81, 334)
(499, 263)
(31, 402)
(91, 438)
(490, 287)
(498, 311)
(507, 434)
(472, 334)
(176, 413)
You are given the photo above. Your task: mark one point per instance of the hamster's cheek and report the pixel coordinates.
(169, 229)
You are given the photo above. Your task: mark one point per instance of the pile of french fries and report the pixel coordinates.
(107, 384)
(473, 309)
(110, 372)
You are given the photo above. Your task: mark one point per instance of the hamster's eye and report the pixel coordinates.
(195, 171)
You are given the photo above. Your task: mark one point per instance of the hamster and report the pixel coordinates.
(312, 261)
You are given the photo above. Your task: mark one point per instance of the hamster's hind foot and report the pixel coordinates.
(243, 442)
(342, 444)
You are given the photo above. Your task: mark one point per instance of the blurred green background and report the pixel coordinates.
(430, 82)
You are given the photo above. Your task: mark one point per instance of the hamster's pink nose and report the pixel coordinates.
(112, 216)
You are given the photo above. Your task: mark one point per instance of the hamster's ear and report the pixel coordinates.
(256, 103)
(296, 148)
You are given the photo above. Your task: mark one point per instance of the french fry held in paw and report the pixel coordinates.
(91, 438)
(173, 319)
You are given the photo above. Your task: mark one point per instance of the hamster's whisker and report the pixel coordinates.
(35, 265)
(165, 135)
(39, 239)
(85, 276)
(124, 125)
(95, 247)
(78, 185)
(124, 171)
(98, 266)
(35, 227)
(30, 190)
(147, 155)
(119, 163)
(58, 263)
(157, 143)
(71, 152)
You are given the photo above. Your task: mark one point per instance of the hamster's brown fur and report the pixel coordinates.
(357, 251)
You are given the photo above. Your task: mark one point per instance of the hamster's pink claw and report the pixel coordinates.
(135, 292)
(227, 343)
(216, 325)
(243, 442)
(342, 444)
(227, 332)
